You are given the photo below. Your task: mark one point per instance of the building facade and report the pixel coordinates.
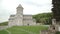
(19, 19)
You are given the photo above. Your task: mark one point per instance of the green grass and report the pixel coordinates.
(23, 29)
(3, 32)
(26, 29)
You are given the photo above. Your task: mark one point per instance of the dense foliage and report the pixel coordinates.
(57, 32)
(4, 23)
(44, 18)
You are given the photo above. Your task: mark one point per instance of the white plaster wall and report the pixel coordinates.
(11, 23)
(30, 22)
(59, 28)
(27, 17)
(18, 20)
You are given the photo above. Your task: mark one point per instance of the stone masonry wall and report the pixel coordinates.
(3, 27)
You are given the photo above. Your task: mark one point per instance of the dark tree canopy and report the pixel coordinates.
(56, 9)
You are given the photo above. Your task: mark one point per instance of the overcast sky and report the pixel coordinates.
(8, 7)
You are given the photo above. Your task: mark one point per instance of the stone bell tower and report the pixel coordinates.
(19, 15)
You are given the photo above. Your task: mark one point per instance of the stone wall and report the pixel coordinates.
(44, 32)
(3, 27)
(47, 32)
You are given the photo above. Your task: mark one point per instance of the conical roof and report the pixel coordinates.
(19, 6)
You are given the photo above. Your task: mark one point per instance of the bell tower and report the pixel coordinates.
(19, 10)
(19, 15)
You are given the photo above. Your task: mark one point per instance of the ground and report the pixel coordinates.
(24, 30)
(3, 32)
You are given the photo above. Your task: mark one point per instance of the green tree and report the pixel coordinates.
(43, 18)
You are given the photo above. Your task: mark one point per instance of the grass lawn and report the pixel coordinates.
(26, 29)
(3, 32)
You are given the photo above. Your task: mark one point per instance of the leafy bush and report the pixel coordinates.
(57, 32)
(45, 18)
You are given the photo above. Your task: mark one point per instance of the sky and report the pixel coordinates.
(8, 7)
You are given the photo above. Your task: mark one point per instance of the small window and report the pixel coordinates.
(54, 28)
